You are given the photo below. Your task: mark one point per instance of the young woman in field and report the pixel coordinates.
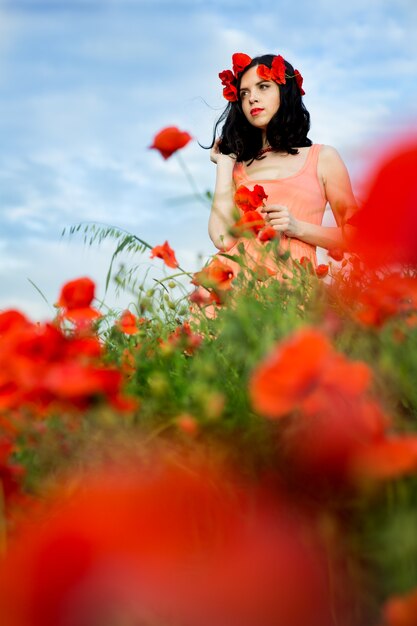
(264, 142)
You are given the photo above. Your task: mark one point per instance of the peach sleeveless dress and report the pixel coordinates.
(301, 193)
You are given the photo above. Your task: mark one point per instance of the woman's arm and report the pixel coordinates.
(338, 189)
(223, 207)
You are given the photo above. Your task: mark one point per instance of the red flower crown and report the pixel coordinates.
(276, 73)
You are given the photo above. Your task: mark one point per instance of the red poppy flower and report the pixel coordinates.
(299, 80)
(264, 72)
(385, 229)
(185, 339)
(187, 424)
(229, 83)
(240, 61)
(216, 275)
(74, 381)
(385, 298)
(336, 253)
(128, 323)
(251, 221)
(230, 93)
(77, 294)
(305, 262)
(386, 458)
(169, 140)
(75, 298)
(268, 233)
(248, 200)
(298, 368)
(321, 270)
(166, 253)
(280, 382)
(278, 70)
(43, 368)
(401, 610)
(12, 319)
(201, 297)
(82, 318)
(171, 519)
(327, 443)
(227, 77)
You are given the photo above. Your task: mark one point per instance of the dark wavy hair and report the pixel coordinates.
(286, 131)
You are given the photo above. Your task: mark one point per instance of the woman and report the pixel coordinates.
(264, 141)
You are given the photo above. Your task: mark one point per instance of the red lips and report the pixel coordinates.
(255, 112)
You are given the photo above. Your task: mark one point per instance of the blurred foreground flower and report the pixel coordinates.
(386, 227)
(334, 430)
(173, 541)
(75, 299)
(401, 610)
(169, 140)
(128, 323)
(45, 370)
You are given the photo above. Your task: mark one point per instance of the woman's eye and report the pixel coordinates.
(264, 86)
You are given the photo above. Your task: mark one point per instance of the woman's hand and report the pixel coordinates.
(280, 218)
(215, 153)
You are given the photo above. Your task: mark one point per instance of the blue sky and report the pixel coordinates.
(85, 85)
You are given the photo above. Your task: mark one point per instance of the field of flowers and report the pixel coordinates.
(239, 452)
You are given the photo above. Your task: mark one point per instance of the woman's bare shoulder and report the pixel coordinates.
(330, 162)
(328, 153)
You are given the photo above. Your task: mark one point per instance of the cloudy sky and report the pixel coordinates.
(86, 84)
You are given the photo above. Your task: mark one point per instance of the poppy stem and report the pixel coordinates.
(190, 179)
(182, 273)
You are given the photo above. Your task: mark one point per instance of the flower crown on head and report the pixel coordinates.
(276, 73)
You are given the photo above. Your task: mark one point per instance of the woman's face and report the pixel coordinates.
(260, 98)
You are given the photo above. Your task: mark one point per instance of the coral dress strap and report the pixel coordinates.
(238, 173)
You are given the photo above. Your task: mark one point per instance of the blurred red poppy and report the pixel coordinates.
(268, 233)
(385, 229)
(43, 369)
(185, 543)
(321, 270)
(77, 294)
(401, 610)
(298, 368)
(215, 275)
(75, 300)
(128, 323)
(336, 253)
(386, 458)
(185, 339)
(250, 222)
(384, 298)
(169, 140)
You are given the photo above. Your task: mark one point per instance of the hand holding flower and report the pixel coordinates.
(282, 220)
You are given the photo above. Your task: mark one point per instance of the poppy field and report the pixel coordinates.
(241, 450)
